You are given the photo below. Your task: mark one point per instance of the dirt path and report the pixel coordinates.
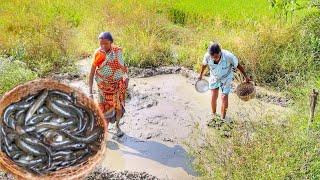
(161, 113)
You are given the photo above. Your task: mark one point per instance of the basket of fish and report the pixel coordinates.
(49, 130)
(246, 91)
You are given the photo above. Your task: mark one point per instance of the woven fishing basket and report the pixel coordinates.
(74, 172)
(246, 91)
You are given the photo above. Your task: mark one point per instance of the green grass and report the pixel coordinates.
(45, 34)
(263, 148)
(49, 36)
(244, 10)
(13, 74)
(266, 147)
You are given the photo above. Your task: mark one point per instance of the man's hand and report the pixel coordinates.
(202, 71)
(241, 69)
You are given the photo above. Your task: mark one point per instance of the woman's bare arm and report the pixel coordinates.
(91, 75)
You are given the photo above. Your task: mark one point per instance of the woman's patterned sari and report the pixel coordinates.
(111, 85)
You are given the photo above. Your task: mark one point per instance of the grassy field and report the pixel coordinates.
(279, 51)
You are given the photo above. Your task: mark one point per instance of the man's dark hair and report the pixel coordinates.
(214, 49)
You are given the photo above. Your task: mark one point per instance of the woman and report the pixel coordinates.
(110, 73)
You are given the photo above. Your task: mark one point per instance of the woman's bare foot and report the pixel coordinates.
(119, 132)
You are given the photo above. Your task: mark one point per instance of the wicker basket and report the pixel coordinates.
(74, 172)
(246, 91)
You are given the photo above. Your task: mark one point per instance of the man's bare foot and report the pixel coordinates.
(215, 120)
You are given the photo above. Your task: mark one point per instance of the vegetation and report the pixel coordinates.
(12, 74)
(277, 41)
(49, 35)
(262, 148)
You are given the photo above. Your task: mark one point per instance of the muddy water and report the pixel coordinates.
(161, 113)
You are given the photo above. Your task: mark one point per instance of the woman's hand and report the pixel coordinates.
(248, 79)
(126, 82)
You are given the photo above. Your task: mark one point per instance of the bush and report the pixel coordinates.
(13, 74)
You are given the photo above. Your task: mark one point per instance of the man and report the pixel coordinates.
(221, 64)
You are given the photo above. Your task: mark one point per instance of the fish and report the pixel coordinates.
(73, 110)
(59, 158)
(90, 120)
(20, 115)
(57, 109)
(62, 153)
(57, 120)
(41, 130)
(29, 98)
(88, 139)
(8, 143)
(8, 136)
(43, 110)
(32, 162)
(74, 146)
(38, 118)
(2, 131)
(61, 94)
(30, 149)
(55, 164)
(53, 167)
(11, 123)
(56, 144)
(35, 170)
(83, 158)
(7, 113)
(11, 136)
(10, 153)
(15, 107)
(16, 154)
(72, 129)
(38, 103)
(36, 142)
(66, 157)
(53, 125)
(37, 134)
(26, 129)
(79, 157)
(85, 125)
(50, 134)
